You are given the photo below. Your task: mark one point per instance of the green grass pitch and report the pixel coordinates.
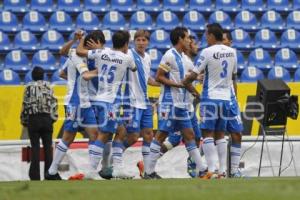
(173, 189)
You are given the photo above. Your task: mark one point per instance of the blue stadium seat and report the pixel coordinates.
(261, 59)
(149, 5)
(241, 39)
(123, 5)
(194, 21)
(160, 39)
(265, 39)
(297, 75)
(203, 42)
(26, 41)
(56, 80)
(228, 5)
(9, 77)
(272, 20)
(17, 61)
(9, 22)
(202, 6)
(291, 39)
(251, 74)
(61, 21)
(155, 56)
(87, 21)
(44, 59)
(96, 5)
(108, 37)
(62, 60)
(279, 72)
(279, 5)
(52, 40)
(293, 20)
(241, 60)
(222, 18)
(34, 22)
(114, 20)
(174, 5)
(16, 6)
(141, 20)
(69, 6)
(43, 6)
(4, 43)
(28, 77)
(254, 5)
(296, 4)
(286, 58)
(246, 20)
(167, 20)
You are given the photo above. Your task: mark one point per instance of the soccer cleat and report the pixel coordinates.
(106, 173)
(237, 174)
(140, 166)
(52, 177)
(119, 173)
(153, 175)
(222, 176)
(209, 175)
(76, 177)
(191, 167)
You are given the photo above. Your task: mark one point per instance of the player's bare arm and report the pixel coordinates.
(187, 82)
(161, 78)
(66, 48)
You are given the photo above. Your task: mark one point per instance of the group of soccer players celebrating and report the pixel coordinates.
(107, 98)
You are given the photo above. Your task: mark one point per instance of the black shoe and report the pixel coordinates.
(153, 175)
(106, 173)
(52, 177)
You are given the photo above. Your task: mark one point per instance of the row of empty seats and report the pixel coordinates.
(75, 6)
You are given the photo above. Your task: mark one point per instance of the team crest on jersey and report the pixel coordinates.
(111, 116)
(134, 124)
(164, 115)
(169, 123)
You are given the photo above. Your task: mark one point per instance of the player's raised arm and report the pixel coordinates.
(80, 50)
(67, 46)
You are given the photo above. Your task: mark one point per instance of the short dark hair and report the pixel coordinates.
(37, 73)
(96, 35)
(216, 30)
(177, 33)
(120, 38)
(228, 34)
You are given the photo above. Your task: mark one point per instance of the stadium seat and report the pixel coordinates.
(290, 39)
(251, 74)
(286, 58)
(265, 39)
(272, 20)
(203, 42)
(261, 59)
(43, 6)
(9, 22)
(16, 6)
(28, 77)
(141, 20)
(167, 20)
(87, 21)
(69, 6)
(108, 37)
(202, 6)
(241, 39)
(194, 21)
(114, 20)
(222, 18)
(26, 41)
(297, 75)
(52, 40)
(279, 5)
(17, 61)
(61, 22)
(160, 39)
(44, 59)
(246, 20)
(254, 5)
(4, 43)
(228, 5)
(34, 22)
(279, 72)
(296, 4)
(293, 20)
(149, 5)
(96, 5)
(241, 60)
(56, 80)
(123, 5)
(174, 5)
(9, 77)
(155, 56)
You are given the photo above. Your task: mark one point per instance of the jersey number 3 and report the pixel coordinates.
(224, 66)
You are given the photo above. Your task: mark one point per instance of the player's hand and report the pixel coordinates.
(94, 44)
(78, 35)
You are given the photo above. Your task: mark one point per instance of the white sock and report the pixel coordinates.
(96, 152)
(146, 155)
(210, 153)
(107, 154)
(60, 152)
(235, 156)
(117, 154)
(195, 155)
(222, 154)
(154, 155)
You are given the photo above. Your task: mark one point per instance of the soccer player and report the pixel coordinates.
(219, 63)
(112, 66)
(234, 124)
(79, 112)
(173, 111)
